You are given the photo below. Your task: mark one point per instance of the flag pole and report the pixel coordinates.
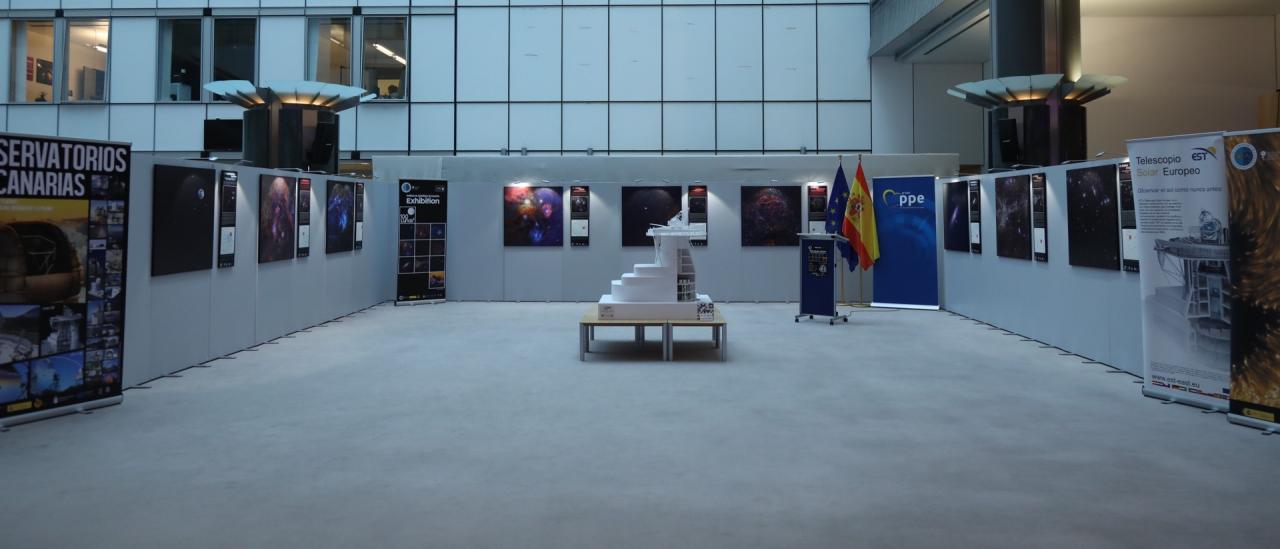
(861, 301)
(840, 164)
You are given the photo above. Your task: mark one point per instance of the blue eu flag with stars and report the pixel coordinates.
(835, 215)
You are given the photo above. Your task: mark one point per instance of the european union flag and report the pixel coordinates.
(835, 215)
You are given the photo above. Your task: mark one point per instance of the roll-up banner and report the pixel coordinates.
(424, 208)
(906, 275)
(1180, 206)
(63, 240)
(1253, 183)
(228, 189)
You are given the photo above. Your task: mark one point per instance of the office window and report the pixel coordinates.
(179, 60)
(329, 50)
(32, 61)
(234, 56)
(385, 51)
(87, 41)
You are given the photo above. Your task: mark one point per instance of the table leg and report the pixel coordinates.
(668, 341)
(640, 335)
(715, 336)
(724, 342)
(582, 343)
(591, 335)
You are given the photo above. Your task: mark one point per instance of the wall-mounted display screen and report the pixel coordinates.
(1129, 251)
(643, 207)
(975, 217)
(532, 216)
(277, 211)
(181, 219)
(771, 216)
(1093, 218)
(698, 212)
(1039, 217)
(229, 190)
(956, 217)
(339, 216)
(579, 215)
(1013, 217)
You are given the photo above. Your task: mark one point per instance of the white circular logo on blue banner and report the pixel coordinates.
(1244, 156)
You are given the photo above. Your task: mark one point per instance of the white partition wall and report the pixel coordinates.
(481, 268)
(179, 320)
(550, 78)
(1092, 312)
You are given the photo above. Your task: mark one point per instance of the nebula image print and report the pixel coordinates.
(1093, 217)
(956, 217)
(771, 216)
(643, 207)
(1254, 234)
(339, 217)
(532, 216)
(1013, 217)
(277, 209)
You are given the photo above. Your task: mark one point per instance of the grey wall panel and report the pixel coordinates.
(595, 266)
(481, 268)
(1092, 312)
(234, 316)
(176, 321)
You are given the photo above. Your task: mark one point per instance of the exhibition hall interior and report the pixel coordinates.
(639, 273)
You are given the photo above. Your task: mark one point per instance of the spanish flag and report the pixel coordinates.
(860, 221)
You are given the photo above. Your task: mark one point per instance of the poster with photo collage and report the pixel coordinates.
(63, 222)
(421, 247)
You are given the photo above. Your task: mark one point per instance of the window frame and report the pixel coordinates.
(198, 95)
(355, 31)
(55, 88)
(408, 36)
(213, 50)
(65, 40)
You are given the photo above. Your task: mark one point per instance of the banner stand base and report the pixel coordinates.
(905, 306)
(420, 302)
(1173, 398)
(55, 412)
(1266, 427)
(831, 318)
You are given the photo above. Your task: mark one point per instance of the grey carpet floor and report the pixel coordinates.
(474, 425)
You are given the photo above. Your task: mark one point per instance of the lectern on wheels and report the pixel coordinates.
(819, 259)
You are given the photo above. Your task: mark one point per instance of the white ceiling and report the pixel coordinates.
(1111, 8)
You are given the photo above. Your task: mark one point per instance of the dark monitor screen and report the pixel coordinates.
(223, 135)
